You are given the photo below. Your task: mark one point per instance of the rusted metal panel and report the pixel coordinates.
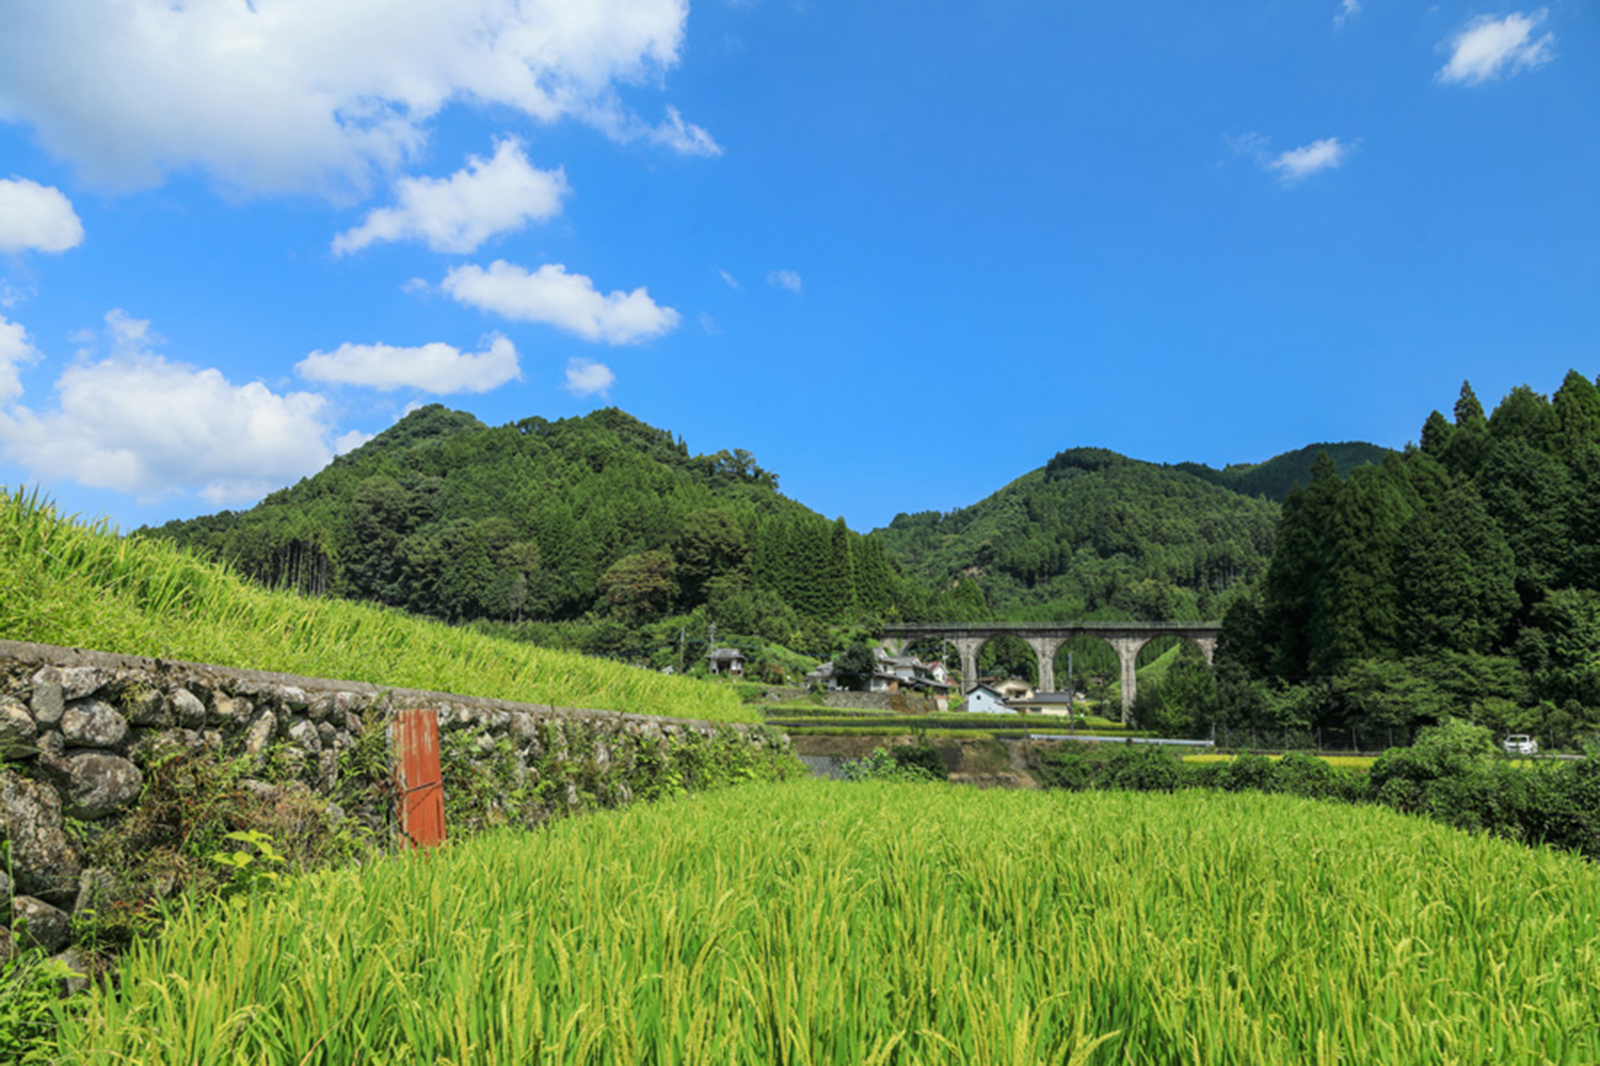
(419, 784)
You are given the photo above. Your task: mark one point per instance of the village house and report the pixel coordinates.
(728, 661)
(893, 673)
(985, 700)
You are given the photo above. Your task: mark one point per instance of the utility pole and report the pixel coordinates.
(1072, 697)
(680, 649)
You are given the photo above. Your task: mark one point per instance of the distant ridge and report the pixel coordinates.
(1275, 477)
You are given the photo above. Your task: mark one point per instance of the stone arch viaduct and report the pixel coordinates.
(1046, 638)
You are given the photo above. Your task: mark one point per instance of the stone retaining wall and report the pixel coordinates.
(78, 731)
(904, 702)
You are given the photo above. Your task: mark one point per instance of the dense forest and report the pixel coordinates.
(1275, 478)
(1095, 535)
(607, 535)
(598, 532)
(1459, 578)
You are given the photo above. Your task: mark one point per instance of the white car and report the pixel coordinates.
(1521, 744)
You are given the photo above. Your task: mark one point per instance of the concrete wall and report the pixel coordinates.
(78, 731)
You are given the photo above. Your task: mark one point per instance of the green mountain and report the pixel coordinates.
(1278, 475)
(601, 517)
(1094, 534)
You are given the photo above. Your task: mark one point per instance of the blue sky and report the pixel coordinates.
(902, 251)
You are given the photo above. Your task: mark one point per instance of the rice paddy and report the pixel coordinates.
(1362, 763)
(81, 585)
(811, 922)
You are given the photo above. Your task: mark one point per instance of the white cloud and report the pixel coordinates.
(733, 282)
(785, 279)
(684, 137)
(1347, 10)
(350, 441)
(436, 368)
(11, 295)
(556, 298)
(585, 377)
(709, 324)
(458, 213)
(278, 95)
(1300, 163)
(1489, 47)
(16, 351)
(143, 424)
(36, 217)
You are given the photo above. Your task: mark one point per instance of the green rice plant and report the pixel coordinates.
(810, 922)
(81, 585)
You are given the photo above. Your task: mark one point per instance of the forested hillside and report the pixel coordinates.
(601, 518)
(1462, 577)
(1275, 477)
(1094, 534)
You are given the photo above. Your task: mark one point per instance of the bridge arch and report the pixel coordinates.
(1125, 638)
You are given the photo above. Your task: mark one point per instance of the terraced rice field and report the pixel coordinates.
(816, 922)
(81, 585)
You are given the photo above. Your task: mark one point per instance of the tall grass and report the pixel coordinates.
(818, 923)
(82, 585)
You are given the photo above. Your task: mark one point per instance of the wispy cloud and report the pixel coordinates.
(733, 282)
(1296, 164)
(1490, 48)
(585, 377)
(1348, 9)
(786, 279)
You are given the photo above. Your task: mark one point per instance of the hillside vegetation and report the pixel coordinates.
(1275, 478)
(1460, 578)
(1094, 534)
(875, 923)
(601, 523)
(62, 582)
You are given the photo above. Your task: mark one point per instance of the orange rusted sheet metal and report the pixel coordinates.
(420, 804)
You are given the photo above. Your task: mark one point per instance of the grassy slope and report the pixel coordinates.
(62, 582)
(947, 925)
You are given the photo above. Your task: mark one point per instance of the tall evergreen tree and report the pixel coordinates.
(1357, 609)
(1464, 449)
(1295, 575)
(839, 577)
(1456, 575)
(1529, 493)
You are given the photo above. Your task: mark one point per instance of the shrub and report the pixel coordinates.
(881, 765)
(1142, 768)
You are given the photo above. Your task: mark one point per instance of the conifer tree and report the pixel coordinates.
(1357, 614)
(1456, 576)
(839, 583)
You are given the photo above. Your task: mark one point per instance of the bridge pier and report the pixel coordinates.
(1046, 639)
(968, 648)
(1044, 649)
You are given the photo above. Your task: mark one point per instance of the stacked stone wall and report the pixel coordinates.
(904, 702)
(79, 730)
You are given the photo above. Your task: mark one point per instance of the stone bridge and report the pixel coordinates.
(1046, 638)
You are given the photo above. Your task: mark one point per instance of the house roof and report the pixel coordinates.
(723, 655)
